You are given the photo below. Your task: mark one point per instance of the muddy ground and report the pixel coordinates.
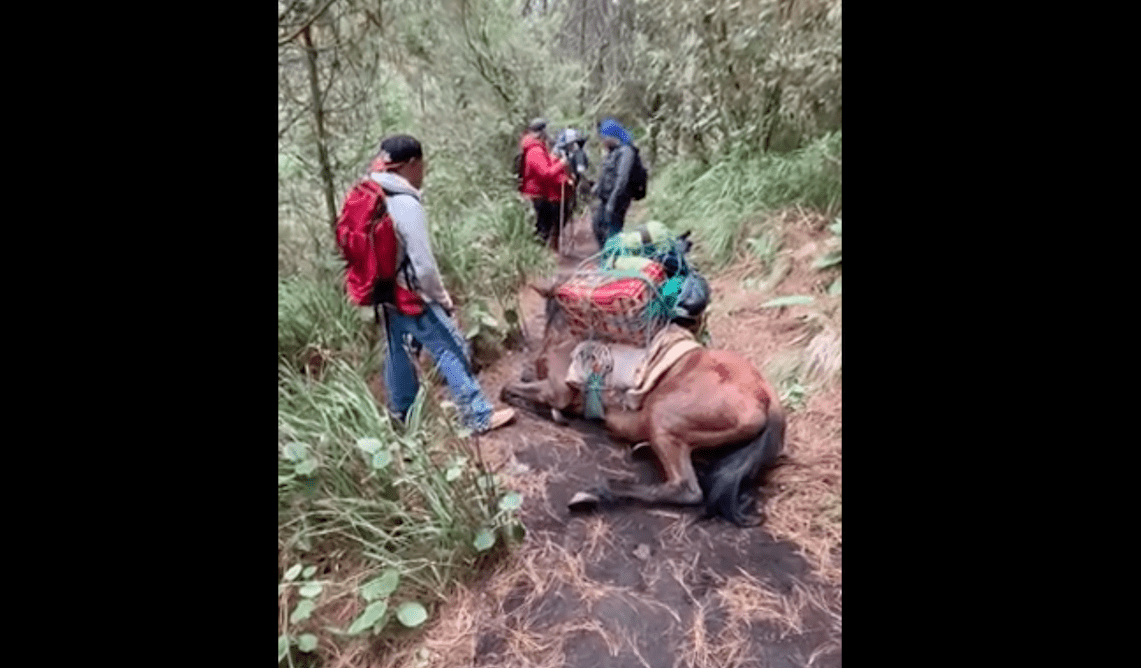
(661, 587)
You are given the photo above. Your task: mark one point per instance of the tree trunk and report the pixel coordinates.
(582, 57)
(771, 116)
(319, 118)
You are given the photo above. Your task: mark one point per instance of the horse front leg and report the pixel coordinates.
(680, 487)
(533, 395)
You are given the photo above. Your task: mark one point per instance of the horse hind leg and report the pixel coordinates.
(680, 487)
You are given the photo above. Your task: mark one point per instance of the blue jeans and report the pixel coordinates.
(435, 331)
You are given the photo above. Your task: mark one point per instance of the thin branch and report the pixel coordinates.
(305, 25)
(289, 124)
(481, 59)
(287, 10)
(374, 20)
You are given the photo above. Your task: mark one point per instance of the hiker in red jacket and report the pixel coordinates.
(545, 179)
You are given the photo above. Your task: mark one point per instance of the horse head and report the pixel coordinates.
(544, 387)
(571, 144)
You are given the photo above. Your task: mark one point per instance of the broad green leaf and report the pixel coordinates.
(307, 642)
(484, 539)
(282, 647)
(369, 445)
(511, 501)
(296, 451)
(456, 469)
(302, 611)
(381, 459)
(369, 617)
(284, 479)
(293, 572)
(411, 614)
(835, 227)
(306, 467)
(791, 300)
(829, 260)
(836, 287)
(310, 590)
(308, 573)
(382, 586)
(472, 331)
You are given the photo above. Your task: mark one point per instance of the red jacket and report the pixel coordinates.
(543, 175)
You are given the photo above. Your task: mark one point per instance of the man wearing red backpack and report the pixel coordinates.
(544, 179)
(421, 309)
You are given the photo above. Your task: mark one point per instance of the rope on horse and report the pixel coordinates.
(602, 303)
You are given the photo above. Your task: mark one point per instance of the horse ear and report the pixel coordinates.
(686, 243)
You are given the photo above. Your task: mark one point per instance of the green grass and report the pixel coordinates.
(721, 202)
(414, 500)
(314, 318)
(485, 248)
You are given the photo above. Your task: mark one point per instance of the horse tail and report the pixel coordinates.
(733, 479)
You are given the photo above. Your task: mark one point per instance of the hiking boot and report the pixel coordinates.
(500, 418)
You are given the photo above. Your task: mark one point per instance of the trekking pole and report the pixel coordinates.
(562, 226)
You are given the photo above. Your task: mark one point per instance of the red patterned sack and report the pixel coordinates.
(601, 306)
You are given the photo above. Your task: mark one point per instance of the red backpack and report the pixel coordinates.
(367, 238)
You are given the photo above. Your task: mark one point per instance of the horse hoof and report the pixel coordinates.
(641, 450)
(582, 501)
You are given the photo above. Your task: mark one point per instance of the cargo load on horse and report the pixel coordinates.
(619, 346)
(633, 288)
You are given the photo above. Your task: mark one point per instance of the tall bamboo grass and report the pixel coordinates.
(418, 512)
(722, 202)
(314, 317)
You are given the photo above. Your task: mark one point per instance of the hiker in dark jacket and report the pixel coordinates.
(399, 169)
(613, 181)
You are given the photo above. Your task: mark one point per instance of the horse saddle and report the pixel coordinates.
(629, 373)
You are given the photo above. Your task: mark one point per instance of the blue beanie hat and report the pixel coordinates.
(611, 128)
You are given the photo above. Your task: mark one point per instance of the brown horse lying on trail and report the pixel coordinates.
(708, 399)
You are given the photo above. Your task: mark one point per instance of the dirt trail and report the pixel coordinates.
(657, 588)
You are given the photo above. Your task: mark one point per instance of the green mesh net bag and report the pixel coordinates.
(626, 293)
